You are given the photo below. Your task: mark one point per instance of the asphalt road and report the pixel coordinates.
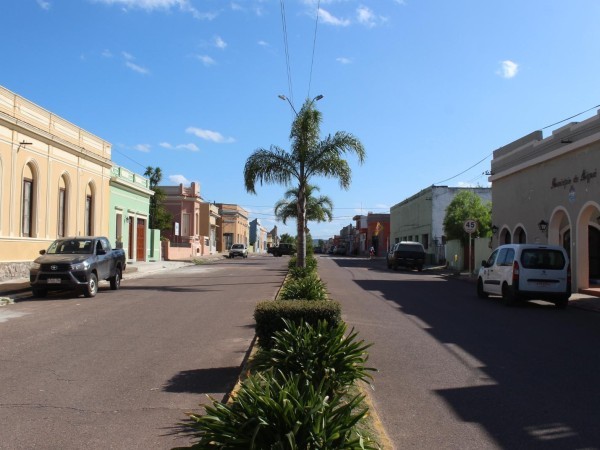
(458, 372)
(120, 370)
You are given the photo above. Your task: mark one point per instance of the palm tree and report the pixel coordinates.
(318, 209)
(308, 157)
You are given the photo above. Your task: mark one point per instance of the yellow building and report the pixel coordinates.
(54, 182)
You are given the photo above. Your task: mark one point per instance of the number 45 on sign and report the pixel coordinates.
(470, 226)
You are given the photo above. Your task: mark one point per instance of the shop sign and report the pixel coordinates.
(585, 176)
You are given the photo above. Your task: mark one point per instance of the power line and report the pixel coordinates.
(287, 52)
(564, 120)
(314, 47)
(479, 162)
(466, 170)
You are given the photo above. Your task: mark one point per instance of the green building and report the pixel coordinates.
(129, 216)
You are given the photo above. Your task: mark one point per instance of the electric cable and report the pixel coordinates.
(312, 62)
(287, 52)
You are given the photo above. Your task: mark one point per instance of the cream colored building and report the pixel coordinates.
(233, 227)
(54, 181)
(547, 190)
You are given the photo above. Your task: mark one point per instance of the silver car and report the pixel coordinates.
(238, 250)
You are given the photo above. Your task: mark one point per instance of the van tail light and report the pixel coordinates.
(515, 273)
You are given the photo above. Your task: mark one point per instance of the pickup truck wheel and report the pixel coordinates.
(115, 282)
(91, 289)
(39, 292)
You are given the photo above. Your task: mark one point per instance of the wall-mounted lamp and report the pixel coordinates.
(494, 230)
(543, 226)
(126, 219)
(23, 144)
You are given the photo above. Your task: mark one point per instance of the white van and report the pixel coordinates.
(526, 272)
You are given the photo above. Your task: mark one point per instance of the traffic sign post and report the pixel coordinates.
(470, 227)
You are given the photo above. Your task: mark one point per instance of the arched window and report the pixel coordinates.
(89, 210)
(63, 189)
(28, 201)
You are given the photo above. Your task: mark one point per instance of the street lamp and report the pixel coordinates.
(315, 99)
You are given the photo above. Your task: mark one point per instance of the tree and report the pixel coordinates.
(287, 239)
(160, 218)
(467, 205)
(318, 209)
(308, 157)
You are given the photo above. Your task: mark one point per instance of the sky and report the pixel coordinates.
(430, 87)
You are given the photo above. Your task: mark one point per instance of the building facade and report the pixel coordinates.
(233, 227)
(184, 205)
(129, 214)
(209, 217)
(258, 237)
(547, 190)
(420, 218)
(54, 182)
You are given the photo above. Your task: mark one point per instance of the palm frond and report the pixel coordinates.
(273, 166)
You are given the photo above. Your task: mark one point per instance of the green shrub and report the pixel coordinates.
(268, 315)
(318, 354)
(280, 413)
(310, 287)
(310, 263)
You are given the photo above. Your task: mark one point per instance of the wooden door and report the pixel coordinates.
(141, 240)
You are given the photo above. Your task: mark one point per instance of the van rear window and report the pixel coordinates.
(541, 258)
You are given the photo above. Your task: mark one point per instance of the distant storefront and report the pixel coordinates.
(548, 191)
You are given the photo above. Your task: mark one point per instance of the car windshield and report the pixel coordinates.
(542, 258)
(70, 246)
(410, 248)
(237, 246)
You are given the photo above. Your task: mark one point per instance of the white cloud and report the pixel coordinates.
(343, 60)
(365, 16)
(329, 19)
(44, 4)
(190, 147)
(165, 5)
(107, 53)
(508, 69)
(219, 42)
(209, 135)
(133, 66)
(206, 60)
(179, 179)
(145, 148)
(263, 43)
(136, 68)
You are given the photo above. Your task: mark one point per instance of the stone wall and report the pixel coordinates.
(14, 270)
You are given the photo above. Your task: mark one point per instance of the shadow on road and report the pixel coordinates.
(204, 381)
(535, 370)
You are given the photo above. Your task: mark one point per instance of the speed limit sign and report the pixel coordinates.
(470, 226)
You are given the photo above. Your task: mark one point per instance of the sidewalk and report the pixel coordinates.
(18, 288)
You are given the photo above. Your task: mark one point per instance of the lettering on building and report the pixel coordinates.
(585, 176)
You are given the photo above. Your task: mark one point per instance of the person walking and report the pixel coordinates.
(371, 252)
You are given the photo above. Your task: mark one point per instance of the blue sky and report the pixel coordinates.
(431, 88)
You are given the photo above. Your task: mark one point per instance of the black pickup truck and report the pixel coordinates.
(77, 263)
(282, 249)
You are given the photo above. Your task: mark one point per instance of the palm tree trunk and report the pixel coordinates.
(300, 227)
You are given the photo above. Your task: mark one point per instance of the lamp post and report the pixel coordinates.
(315, 99)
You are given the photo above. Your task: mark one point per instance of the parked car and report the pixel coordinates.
(408, 254)
(282, 249)
(77, 263)
(526, 272)
(238, 250)
(340, 250)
